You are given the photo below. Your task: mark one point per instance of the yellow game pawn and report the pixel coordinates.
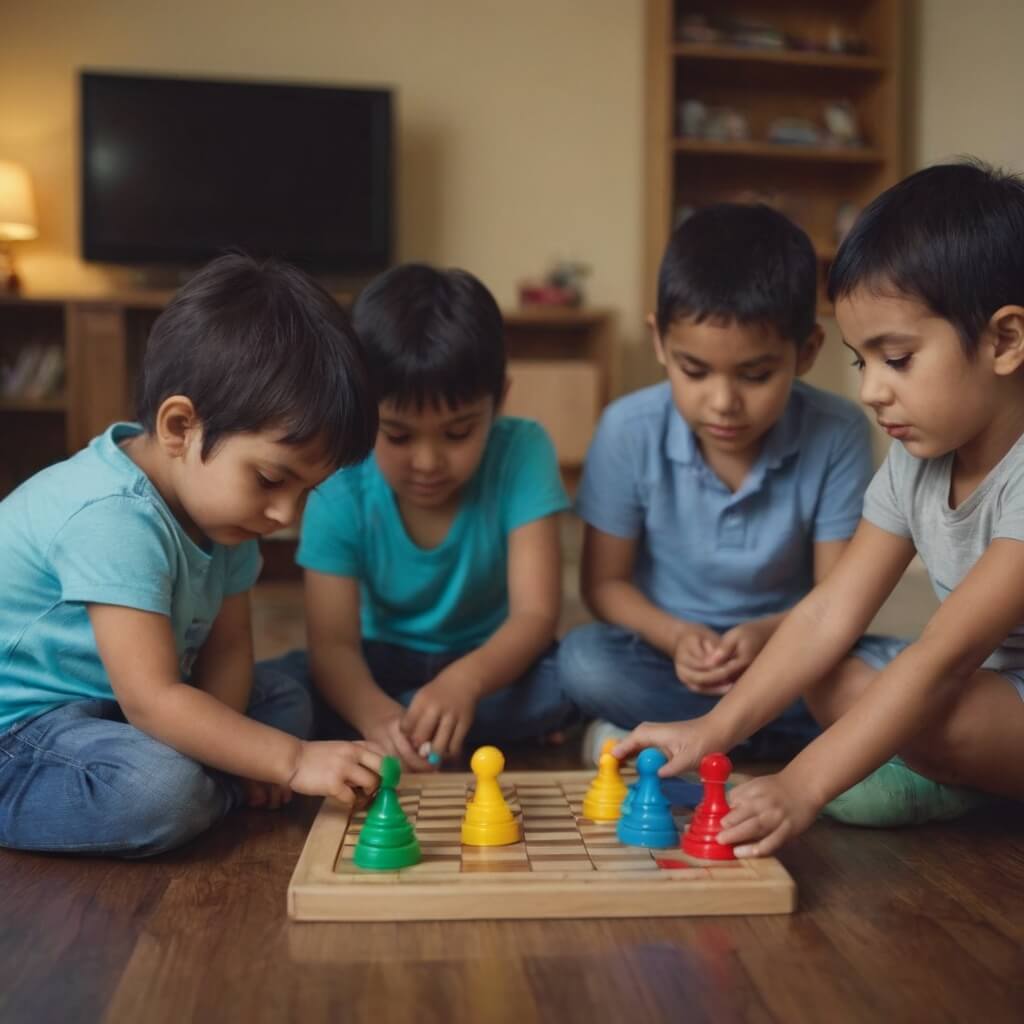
(489, 820)
(603, 801)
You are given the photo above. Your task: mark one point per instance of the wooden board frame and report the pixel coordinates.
(318, 891)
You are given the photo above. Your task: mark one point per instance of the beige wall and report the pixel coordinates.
(519, 122)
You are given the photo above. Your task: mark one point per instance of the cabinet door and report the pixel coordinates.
(97, 385)
(564, 395)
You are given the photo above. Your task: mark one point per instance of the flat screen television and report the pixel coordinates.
(177, 170)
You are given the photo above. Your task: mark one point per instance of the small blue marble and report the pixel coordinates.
(434, 758)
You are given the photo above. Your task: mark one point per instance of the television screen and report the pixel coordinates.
(177, 170)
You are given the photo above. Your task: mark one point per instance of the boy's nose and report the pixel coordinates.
(424, 458)
(724, 397)
(873, 391)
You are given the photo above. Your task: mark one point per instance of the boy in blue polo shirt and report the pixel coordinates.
(433, 579)
(714, 501)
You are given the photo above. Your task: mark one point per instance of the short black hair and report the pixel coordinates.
(740, 262)
(259, 345)
(431, 336)
(950, 236)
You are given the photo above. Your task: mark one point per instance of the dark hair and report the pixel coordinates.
(432, 336)
(258, 345)
(739, 262)
(950, 236)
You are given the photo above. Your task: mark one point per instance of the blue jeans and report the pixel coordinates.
(80, 779)
(526, 709)
(612, 673)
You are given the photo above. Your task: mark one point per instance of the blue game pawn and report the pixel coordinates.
(646, 814)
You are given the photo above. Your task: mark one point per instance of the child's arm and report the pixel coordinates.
(138, 653)
(340, 671)
(606, 584)
(443, 710)
(898, 703)
(223, 667)
(809, 643)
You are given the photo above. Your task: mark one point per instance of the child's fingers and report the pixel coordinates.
(459, 735)
(443, 734)
(407, 753)
(767, 846)
(679, 762)
(636, 740)
(422, 728)
(343, 794)
(362, 777)
(369, 757)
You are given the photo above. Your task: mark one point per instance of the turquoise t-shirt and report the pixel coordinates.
(454, 596)
(94, 530)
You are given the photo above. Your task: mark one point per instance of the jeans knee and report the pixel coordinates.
(587, 663)
(282, 696)
(173, 806)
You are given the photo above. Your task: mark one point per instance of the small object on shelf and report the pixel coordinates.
(840, 39)
(693, 119)
(726, 124)
(794, 131)
(561, 286)
(841, 125)
(696, 28)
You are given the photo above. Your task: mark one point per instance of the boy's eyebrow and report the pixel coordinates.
(877, 340)
(768, 357)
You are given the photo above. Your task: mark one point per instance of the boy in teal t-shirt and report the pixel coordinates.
(131, 714)
(433, 577)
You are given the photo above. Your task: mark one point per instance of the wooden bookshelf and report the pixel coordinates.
(810, 182)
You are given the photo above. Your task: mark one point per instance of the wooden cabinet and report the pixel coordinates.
(814, 181)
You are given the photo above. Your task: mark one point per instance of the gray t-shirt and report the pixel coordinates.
(910, 498)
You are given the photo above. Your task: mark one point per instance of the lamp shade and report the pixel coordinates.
(17, 207)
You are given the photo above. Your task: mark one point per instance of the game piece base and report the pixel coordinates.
(566, 866)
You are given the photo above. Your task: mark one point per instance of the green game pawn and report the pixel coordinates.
(387, 841)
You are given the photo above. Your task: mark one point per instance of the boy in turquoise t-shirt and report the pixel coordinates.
(433, 576)
(131, 715)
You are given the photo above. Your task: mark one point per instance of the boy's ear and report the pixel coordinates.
(808, 351)
(659, 348)
(1006, 330)
(177, 425)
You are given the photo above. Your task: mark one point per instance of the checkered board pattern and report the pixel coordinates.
(565, 865)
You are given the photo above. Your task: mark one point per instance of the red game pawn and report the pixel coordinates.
(700, 839)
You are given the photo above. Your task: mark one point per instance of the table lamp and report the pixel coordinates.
(17, 218)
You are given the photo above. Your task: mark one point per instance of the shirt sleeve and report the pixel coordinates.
(608, 497)
(1009, 520)
(532, 481)
(882, 505)
(119, 551)
(846, 478)
(331, 536)
(244, 565)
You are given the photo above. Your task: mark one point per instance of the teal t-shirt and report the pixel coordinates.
(454, 596)
(94, 530)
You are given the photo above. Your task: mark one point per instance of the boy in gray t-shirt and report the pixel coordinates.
(929, 295)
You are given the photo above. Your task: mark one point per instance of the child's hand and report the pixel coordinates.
(442, 712)
(265, 794)
(683, 743)
(386, 732)
(765, 813)
(337, 768)
(736, 650)
(695, 647)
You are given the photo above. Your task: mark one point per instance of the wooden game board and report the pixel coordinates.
(566, 866)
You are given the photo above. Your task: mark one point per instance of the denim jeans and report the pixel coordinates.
(526, 709)
(612, 673)
(80, 779)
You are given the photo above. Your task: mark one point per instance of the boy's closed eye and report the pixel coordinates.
(266, 482)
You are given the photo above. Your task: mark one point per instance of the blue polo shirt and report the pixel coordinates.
(704, 553)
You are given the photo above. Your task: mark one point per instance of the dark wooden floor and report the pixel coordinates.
(912, 925)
